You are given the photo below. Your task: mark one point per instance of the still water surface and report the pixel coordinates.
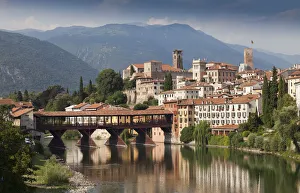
(173, 168)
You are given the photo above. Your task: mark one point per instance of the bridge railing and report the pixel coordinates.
(105, 124)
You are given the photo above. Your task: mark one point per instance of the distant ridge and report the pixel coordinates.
(118, 45)
(32, 64)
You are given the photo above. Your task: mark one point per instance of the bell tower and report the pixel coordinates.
(177, 59)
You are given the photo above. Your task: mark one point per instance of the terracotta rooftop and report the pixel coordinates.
(80, 105)
(95, 106)
(21, 112)
(296, 73)
(247, 84)
(105, 112)
(6, 102)
(138, 65)
(218, 101)
(187, 88)
(16, 104)
(167, 67)
(156, 107)
(170, 101)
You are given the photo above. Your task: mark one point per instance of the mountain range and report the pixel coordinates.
(118, 45)
(32, 64)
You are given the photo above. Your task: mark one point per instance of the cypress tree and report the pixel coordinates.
(281, 92)
(67, 90)
(168, 84)
(19, 96)
(131, 70)
(266, 102)
(273, 90)
(90, 88)
(81, 93)
(26, 96)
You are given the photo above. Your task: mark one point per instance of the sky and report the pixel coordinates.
(273, 25)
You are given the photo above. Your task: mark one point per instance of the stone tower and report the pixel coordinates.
(248, 57)
(177, 59)
(199, 67)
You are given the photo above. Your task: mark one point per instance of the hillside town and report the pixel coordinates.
(220, 93)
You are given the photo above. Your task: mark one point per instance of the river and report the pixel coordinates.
(180, 169)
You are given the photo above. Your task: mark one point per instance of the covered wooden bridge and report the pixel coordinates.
(114, 121)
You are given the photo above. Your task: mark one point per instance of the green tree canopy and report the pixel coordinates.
(19, 96)
(129, 84)
(117, 98)
(15, 157)
(201, 133)
(168, 84)
(267, 111)
(81, 92)
(287, 123)
(131, 70)
(140, 106)
(108, 82)
(26, 95)
(60, 102)
(186, 134)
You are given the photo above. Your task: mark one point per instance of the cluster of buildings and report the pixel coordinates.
(222, 94)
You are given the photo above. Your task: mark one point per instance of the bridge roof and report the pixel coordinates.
(104, 112)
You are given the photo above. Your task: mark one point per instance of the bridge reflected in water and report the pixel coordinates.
(166, 168)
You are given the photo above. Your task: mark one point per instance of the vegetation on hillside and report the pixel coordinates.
(34, 65)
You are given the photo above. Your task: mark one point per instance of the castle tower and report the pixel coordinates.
(248, 57)
(177, 59)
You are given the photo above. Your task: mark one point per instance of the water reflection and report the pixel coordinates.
(166, 168)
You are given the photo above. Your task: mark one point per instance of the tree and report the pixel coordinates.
(254, 122)
(117, 98)
(90, 89)
(281, 92)
(26, 96)
(81, 92)
(186, 134)
(287, 125)
(60, 102)
(108, 82)
(140, 106)
(131, 70)
(15, 157)
(273, 91)
(19, 96)
(201, 133)
(251, 140)
(168, 84)
(266, 103)
(129, 84)
(42, 99)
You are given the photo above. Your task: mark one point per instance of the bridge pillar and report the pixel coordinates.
(86, 140)
(115, 138)
(168, 135)
(56, 140)
(142, 138)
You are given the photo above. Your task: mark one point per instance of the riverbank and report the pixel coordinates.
(54, 175)
(79, 183)
(287, 155)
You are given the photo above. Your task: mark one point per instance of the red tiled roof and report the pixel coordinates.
(167, 67)
(296, 73)
(21, 112)
(236, 100)
(80, 105)
(247, 84)
(16, 104)
(138, 65)
(6, 102)
(95, 106)
(105, 112)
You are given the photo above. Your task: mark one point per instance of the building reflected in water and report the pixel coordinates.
(181, 169)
